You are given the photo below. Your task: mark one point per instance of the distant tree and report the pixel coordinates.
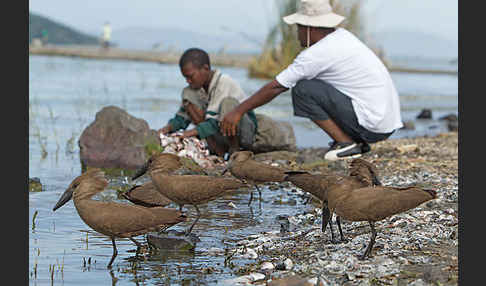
(281, 45)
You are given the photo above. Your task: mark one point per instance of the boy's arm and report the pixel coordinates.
(176, 123)
(203, 129)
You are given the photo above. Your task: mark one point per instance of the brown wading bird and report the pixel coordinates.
(173, 164)
(146, 195)
(361, 174)
(375, 203)
(115, 219)
(242, 166)
(187, 189)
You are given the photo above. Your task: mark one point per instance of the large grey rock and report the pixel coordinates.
(173, 240)
(273, 135)
(116, 140)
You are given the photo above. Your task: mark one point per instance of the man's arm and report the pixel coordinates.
(264, 95)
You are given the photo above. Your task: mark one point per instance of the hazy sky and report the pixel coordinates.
(439, 17)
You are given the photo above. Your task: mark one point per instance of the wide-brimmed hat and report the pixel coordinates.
(315, 13)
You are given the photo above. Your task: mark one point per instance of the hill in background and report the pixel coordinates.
(58, 33)
(144, 38)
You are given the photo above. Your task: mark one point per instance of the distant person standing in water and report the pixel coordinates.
(44, 37)
(337, 82)
(106, 35)
(209, 95)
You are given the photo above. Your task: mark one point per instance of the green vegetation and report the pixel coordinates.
(282, 46)
(57, 33)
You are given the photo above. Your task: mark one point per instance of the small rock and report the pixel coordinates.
(172, 241)
(255, 276)
(453, 125)
(425, 114)
(35, 185)
(284, 226)
(418, 282)
(249, 254)
(288, 264)
(214, 251)
(266, 266)
(449, 117)
(407, 148)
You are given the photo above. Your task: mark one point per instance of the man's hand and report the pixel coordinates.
(230, 122)
(265, 94)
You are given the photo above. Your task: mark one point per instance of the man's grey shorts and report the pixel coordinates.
(318, 100)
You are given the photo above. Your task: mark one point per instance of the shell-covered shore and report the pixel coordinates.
(417, 247)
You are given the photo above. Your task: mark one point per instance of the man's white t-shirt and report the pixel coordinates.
(343, 61)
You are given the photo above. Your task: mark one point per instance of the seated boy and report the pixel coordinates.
(209, 96)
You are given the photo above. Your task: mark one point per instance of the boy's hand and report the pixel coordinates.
(188, 133)
(164, 130)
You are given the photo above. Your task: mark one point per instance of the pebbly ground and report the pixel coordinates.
(417, 247)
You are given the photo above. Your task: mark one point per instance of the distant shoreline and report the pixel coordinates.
(172, 57)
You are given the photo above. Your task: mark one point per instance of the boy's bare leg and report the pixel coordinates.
(215, 147)
(196, 114)
(234, 144)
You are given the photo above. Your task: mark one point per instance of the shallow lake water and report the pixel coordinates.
(64, 96)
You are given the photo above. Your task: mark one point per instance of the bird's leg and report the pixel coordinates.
(338, 221)
(333, 240)
(113, 278)
(251, 197)
(259, 192)
(326, 216)
(372, 241)
(195, 221)
(139, 245)
(115, 253)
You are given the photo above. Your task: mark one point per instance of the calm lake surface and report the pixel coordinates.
(64, 96)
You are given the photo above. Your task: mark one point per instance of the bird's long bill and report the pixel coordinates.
(140, 171)
(65, 197)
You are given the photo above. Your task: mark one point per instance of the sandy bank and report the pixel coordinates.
(168, 57)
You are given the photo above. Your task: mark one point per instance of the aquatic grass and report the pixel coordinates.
(33, 220)
(53, 120)
(34, 127)
(70, 143)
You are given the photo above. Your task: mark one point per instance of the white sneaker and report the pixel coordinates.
(343, 150)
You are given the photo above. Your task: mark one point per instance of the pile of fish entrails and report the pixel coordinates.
(190, 147)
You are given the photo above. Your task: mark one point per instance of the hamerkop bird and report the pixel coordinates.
(115, 219)
(171, 163)
(375, 203)
(361, 174)
(242, 166)
(187, 189)
(146, 195)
